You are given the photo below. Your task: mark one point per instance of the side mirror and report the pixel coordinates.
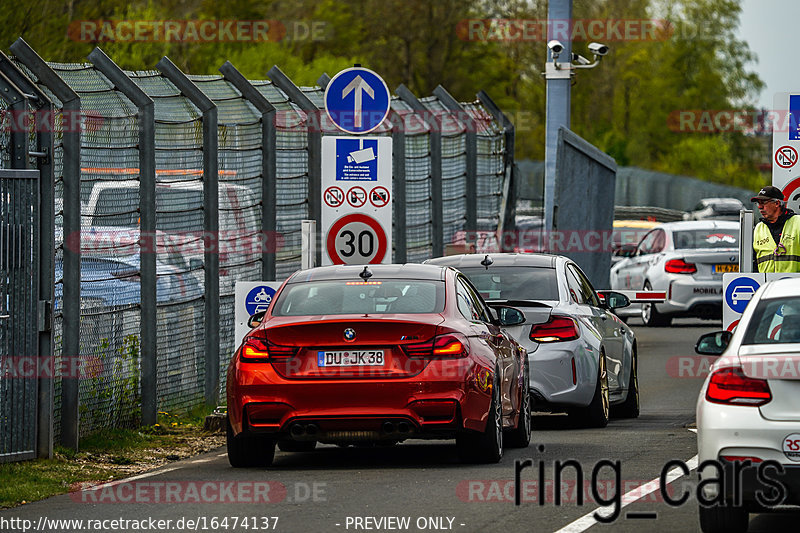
(509, 316)
(713, 343)
(255, 320)
(613, 299)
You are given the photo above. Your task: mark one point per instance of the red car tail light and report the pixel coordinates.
(679, 266)
(741, 459)
(730, 386)
(441, 346)
(260, 350)
(557, 329)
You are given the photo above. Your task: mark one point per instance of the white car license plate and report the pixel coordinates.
(350, 358)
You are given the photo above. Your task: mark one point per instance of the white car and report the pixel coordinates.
(686, 260)
(747, 413)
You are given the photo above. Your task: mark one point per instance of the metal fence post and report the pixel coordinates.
(17, 106)
(211, 238)
(147, 228)
(44, 121)
(314, 145)
(400, 238)
(509, 209)
(437, 215)
(269, 171)
(71, 162)
(471, 151)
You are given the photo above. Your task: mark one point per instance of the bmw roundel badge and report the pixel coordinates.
(349, 334)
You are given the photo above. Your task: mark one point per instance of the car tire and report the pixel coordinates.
(245, 450)
(288, 445)
(520, 436)
(630, 407)
(486, 447)
(596, 414)
(650, 315)
(724, 519)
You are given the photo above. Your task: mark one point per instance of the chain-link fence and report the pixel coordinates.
(267, 133)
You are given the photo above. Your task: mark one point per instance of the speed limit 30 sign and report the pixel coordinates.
(356, 239)
(356, 226)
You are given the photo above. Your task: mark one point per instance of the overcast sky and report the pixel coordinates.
(770, 28)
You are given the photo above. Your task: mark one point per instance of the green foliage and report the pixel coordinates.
(624, 106)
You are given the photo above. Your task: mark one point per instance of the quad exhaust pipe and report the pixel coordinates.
(401, 428)
(298, 431)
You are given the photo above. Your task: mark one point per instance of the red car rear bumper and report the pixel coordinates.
(448, 396)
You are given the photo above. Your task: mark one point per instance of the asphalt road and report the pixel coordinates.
(378, 489)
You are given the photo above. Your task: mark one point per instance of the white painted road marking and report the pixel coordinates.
(588, 520)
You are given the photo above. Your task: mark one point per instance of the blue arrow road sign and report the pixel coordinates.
(357, 100)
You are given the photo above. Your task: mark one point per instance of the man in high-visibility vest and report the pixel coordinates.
(776, 238)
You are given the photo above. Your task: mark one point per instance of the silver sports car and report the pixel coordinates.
(582, 357)
(686, 260)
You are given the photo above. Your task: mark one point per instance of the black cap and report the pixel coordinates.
(768, 193)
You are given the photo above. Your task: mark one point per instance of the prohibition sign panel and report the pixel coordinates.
(356, 196)
(786, 156)
(334, 197)
(356, 239)
(379, 196)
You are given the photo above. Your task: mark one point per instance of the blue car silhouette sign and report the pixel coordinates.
(357, 100)
(740, 292)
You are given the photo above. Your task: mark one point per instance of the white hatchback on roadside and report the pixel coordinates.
(748, 412)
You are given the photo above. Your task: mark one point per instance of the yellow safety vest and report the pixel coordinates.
(773, 258)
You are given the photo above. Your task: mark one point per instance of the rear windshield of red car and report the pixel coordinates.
(514, 282)
(705, 238)
(346, 297)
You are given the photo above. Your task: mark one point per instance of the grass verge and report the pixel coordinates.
(107, 455)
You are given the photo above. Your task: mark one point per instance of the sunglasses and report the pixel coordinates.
(764, 202)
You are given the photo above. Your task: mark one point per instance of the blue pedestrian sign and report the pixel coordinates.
(739, 293)
(357, 100)
(258, 299)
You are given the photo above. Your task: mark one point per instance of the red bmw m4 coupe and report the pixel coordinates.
(383, 353)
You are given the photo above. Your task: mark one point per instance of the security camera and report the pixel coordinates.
(580, 60)
(598, 49)
(556, 46)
